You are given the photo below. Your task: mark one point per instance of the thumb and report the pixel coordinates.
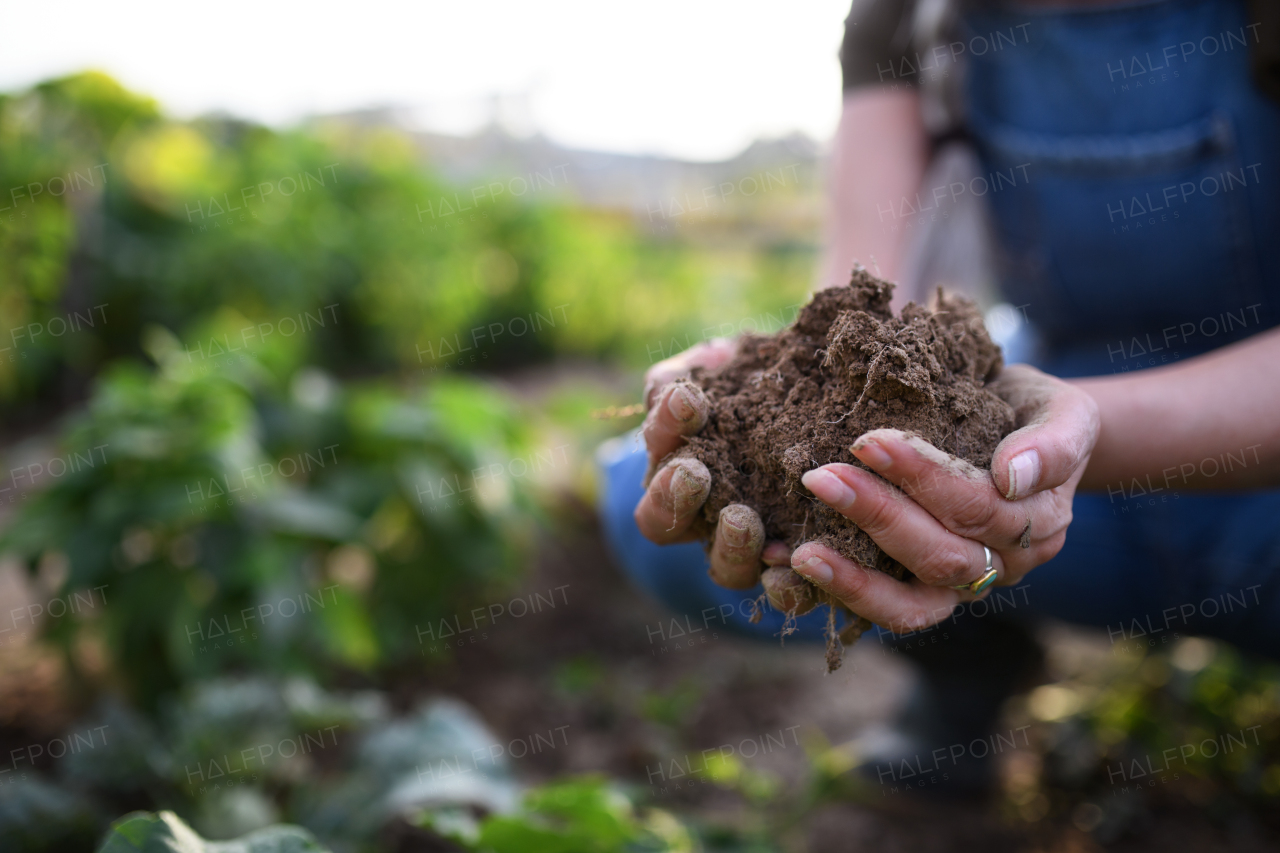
(1057, 428)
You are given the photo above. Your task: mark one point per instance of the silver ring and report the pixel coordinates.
(988, 577)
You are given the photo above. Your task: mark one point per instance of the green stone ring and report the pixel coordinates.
(987, 579)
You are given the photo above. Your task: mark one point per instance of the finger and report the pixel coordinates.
(1058, 426)
(672, 501)
(681, 411)
(962, 497)
(789, 592)
(903, 528)
(710, 355)
(776, 554)
(735, 550)
(900, 606)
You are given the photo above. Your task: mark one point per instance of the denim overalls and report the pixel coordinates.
(1130, 166)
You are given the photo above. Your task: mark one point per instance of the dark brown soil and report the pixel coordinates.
(790, 402)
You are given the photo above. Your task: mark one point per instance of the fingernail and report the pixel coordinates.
(873, 454)
(1024, 472)
(829, 488)
(815, 570)
(681, 404)
(684, 484)
(733, 534)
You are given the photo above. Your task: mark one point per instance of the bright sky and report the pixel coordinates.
(689, 78)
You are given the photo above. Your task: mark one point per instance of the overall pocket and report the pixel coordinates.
(1111, 235)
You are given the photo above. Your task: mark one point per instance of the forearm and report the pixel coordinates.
(1210, 422)
(878, 158)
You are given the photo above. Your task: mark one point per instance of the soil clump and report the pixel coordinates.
(790, 402)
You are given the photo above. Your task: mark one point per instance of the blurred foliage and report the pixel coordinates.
(1195, 724)
(231, 520)
(674, 707)
(235, 755)
(1124, 734)
(230, 757)
(582, 815)
(142, 832)
(267, 275)
(116, 217)
(203, 306)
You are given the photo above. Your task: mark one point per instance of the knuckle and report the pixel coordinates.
(920, 484)
(878, 516)
(1055, 517)
(972, 514)
(944, 565)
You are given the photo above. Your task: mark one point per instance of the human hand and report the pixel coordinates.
(936, 512)
(675, 493)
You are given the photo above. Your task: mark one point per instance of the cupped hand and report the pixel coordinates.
(675, 493)
(936, 512)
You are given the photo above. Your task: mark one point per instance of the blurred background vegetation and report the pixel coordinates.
(245, 370)
(206, 228)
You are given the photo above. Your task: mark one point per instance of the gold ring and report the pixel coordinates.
(987, 579)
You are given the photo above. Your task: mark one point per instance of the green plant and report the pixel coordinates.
(145, 832)
(244, 518)
(342, 231)
(1192, 722)
(581, 815)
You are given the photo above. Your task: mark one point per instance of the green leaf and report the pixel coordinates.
(581, 815)
(145, 832)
